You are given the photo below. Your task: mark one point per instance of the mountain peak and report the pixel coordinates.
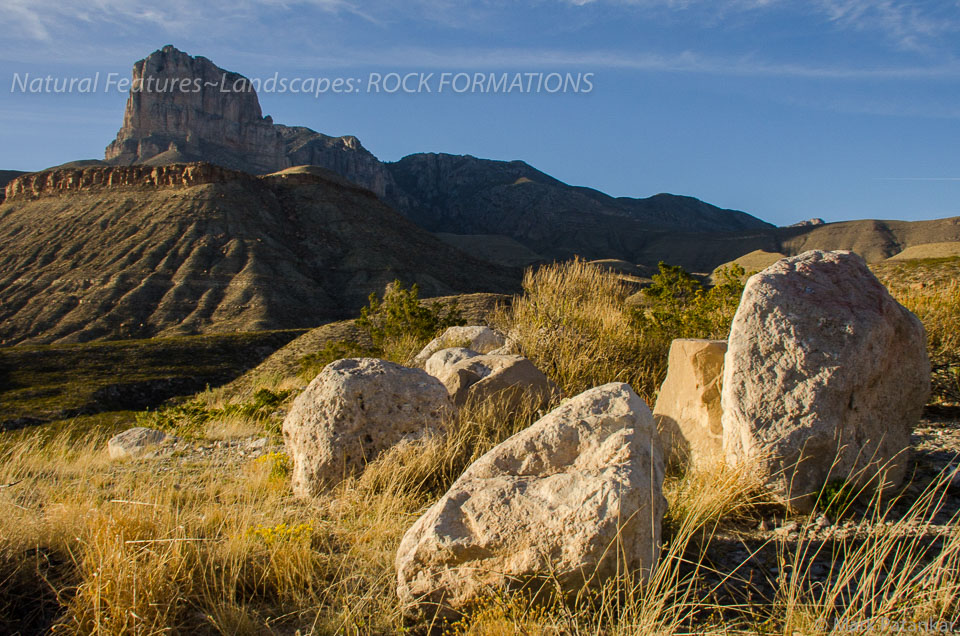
(188, 108)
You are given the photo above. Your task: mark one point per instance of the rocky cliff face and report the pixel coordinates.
(185, 109)
(6, 176)
(58, 182)
(344, 155)
(188, 106)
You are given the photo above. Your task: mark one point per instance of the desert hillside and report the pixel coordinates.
(142, 251)
(873, 240)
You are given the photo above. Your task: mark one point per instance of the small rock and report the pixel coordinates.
(787, 528)
(482, 377)
(136, 442)
(475, 338)
(256, 444)
(437, 364)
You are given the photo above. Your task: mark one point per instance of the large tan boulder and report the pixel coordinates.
(473, 337)
(688, 410)
(354, 410)
(825, 377)
(576, 498)
(477, 378)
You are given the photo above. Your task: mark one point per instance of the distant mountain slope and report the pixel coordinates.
(466, 195)
(493, 248)
(140, 251)
(928, 251)
(874, 240)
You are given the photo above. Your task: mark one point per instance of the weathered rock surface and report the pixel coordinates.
(445, 358)
(189, 106)
(474, 379)
(67, 181)
(576, 496)
(188, 109)
(474, 337)
(136, 442)
(344, 155)
(688, 410)
(354, 410)
(824, 378)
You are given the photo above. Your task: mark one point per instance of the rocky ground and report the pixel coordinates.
(744, 558)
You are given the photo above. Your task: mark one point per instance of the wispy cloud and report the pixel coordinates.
(681, 62)
(906, 24)
(41, 18)
(55, 23)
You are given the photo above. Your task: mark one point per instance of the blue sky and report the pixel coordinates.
(785, 109)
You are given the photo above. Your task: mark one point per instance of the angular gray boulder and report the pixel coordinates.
(477, 378)
(474, 337)
(354, 410)
(577, 496)
(824, 377)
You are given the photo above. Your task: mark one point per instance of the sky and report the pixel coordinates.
(785, 109)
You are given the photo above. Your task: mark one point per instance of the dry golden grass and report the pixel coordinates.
(197, 548)
(224, 548)
(901, 568)
(937, 305)
(211, 547)
(572, 323)
(202, 546)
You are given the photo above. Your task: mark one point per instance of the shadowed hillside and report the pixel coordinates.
(141, 252)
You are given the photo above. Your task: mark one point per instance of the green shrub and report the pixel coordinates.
(836, 497)
(397, 326)
(279, 463)
(400, 315)
(677, 305)
(261, 405)
(187, 419)
(182, 419)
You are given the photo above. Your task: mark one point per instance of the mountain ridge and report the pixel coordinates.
(446, 193)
